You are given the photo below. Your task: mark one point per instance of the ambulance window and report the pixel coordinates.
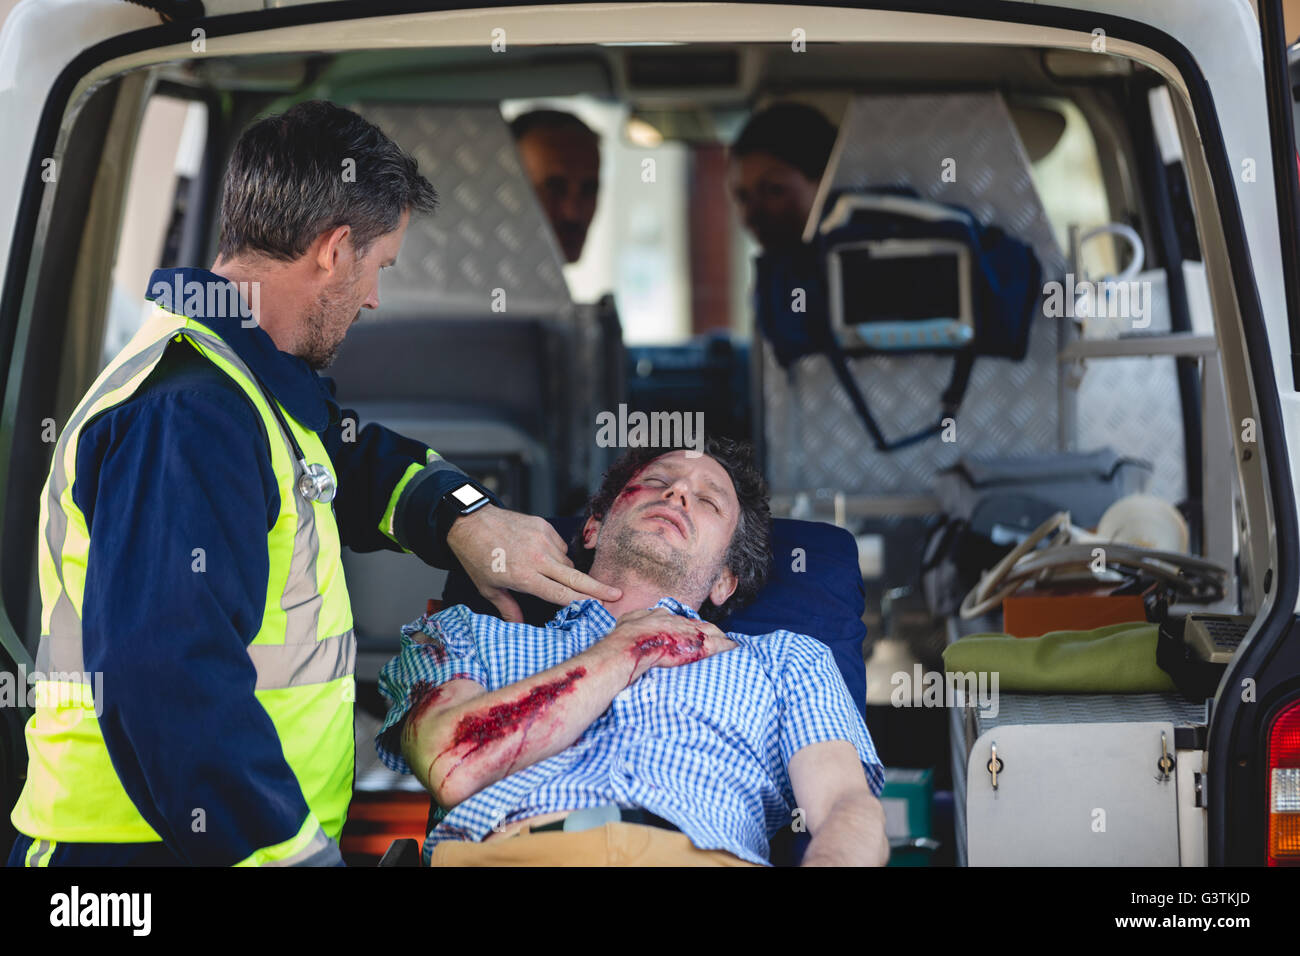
(168, 154)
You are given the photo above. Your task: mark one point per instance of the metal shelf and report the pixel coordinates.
(1184, 344)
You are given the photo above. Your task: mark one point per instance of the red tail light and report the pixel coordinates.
(1284, 788)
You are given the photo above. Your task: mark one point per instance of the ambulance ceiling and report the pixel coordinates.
(712, 72)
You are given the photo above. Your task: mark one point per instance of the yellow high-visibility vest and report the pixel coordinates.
(304, 653)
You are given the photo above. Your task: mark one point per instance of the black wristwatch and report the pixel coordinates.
(465, 498)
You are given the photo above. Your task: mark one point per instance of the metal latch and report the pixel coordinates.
(1166, 763)
(994, 766)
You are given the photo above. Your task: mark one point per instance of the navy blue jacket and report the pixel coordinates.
(184, 464)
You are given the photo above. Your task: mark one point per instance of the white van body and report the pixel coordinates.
(56, 54)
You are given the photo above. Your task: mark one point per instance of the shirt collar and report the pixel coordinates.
(596, 614)
(304, 394)
(678, 608)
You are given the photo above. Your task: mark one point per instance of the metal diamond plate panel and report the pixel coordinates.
(816, 439)
(489, 231)
(912, 140)
(1093, 709)
(1132, 405)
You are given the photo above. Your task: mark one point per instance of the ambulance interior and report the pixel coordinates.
(1077, 156)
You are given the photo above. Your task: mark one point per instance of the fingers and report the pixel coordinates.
(716, 645)
(548, 542)
(662, 620)
(553, 537)
(631, 617)
(708, 627)
(583, 585)
(564, 585)
(504, 603)
(715, 642)
(538, 562)
(549, 585)
(657, 618)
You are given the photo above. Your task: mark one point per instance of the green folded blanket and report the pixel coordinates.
(1116, 659)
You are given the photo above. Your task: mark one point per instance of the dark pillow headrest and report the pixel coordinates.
(815, 588)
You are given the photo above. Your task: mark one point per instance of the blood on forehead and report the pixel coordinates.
(635, 485)
(632, 486)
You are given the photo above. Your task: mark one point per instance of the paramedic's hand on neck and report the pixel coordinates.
(505, 551)
(458, 738)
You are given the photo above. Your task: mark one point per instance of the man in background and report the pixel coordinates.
(777, 162)
(561, 158)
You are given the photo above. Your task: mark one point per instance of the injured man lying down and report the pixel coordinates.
(636, 732)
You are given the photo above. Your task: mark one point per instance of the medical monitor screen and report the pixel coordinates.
(899, 288)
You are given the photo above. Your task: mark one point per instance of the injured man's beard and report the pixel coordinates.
(664, 566)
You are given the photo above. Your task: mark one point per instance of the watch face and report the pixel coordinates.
(468, 495)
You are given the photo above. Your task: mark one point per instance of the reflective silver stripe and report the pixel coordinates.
(321, 851)
(302, 600)
(299, 665)
(56, 525)
(60, 652)
(301, 660)
(43, 848)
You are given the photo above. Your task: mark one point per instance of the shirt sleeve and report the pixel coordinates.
(816, 706)
(435, 649)
(388, 488)
(178, 495)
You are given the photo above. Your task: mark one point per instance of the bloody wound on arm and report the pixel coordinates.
(478, 729)
(466, 738)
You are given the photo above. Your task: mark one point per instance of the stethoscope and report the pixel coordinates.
(315, 483)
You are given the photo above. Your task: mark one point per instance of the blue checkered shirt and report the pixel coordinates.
(704, 745)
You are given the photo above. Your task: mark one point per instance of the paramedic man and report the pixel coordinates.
(183, 566)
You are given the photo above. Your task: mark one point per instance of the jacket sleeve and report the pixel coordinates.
(388, 488)
(178, 495)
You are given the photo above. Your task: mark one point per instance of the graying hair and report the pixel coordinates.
(287, 183)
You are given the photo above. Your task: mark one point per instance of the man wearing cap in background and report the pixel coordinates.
(777, 162)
